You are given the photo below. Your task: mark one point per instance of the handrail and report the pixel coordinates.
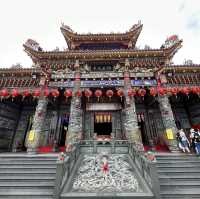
(147, 169)
(64, 169)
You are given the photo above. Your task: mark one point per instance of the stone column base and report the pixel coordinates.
(173, 147)
(31, 151)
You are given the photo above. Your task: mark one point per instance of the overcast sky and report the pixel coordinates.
(41, 20)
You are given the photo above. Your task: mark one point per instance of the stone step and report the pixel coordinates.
(29, 162)
(178, 158)
(29, 166)
(179, 163)
(185, 193)
(183, 165)
(27, 184)
(27, 159)
(179, 180)
(26, 177)
(27, 170)
(26, 192)
(175, 176)
(53, 157)
(28, 181)
(26, 197)
(171, 185)
(179, 197)
(183, 169)
(27, 174)
(180, 171)
(106, 196)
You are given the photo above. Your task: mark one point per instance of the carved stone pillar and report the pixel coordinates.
(33, 139)
(74, 133)
(131, 125)
(168, 120)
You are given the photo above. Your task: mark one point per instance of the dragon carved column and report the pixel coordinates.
(33, 137)
(74, 133)
(131, 125)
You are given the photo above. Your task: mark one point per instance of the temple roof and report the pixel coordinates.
(20, 77)
(127, 39)
(161, 55)
(165, 52)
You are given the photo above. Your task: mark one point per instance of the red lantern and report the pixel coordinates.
(4, 93)
(174, 91)
(153, 92)
(68, 93)
(120, 93)
(131, 92)
(198, 90)
(185, 90)
(36, 93)
(78, 93)
(142, 92)
(109, 93)
(88, 93)
(55, 93)
(14, 93)
(195, 89)
(98, 93)
(162, 91)
(26, 93)
(46, 92)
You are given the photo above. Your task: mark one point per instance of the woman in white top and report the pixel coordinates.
(184, 141)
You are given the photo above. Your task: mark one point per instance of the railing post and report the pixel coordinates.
(155, 180)
(113, 146)
(95, 147)
(59, 177)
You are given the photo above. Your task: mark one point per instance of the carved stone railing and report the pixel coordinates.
(64, 169)
(147, 169)
(112, 144)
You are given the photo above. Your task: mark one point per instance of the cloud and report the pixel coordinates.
(193, 23)
(182, 6)
(41, 21)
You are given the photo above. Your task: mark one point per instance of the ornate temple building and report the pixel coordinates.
(101, 87)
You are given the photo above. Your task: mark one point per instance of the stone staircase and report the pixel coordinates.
(27, 176)
(179, 176)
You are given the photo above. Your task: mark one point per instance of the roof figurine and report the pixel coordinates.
(170, 41)
(33, 45)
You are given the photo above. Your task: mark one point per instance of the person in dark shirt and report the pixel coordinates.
(197, 141)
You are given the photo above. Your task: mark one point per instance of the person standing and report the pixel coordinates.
(192, 131)
(184, 141)
(197, 141)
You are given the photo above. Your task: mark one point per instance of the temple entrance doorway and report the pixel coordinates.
(103, 124)
(142, 126)
(63, 129)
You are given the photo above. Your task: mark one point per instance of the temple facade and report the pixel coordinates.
(101, 87)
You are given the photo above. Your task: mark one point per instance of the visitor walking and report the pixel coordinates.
(184, 142)
(192, 131)
(197, 141)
